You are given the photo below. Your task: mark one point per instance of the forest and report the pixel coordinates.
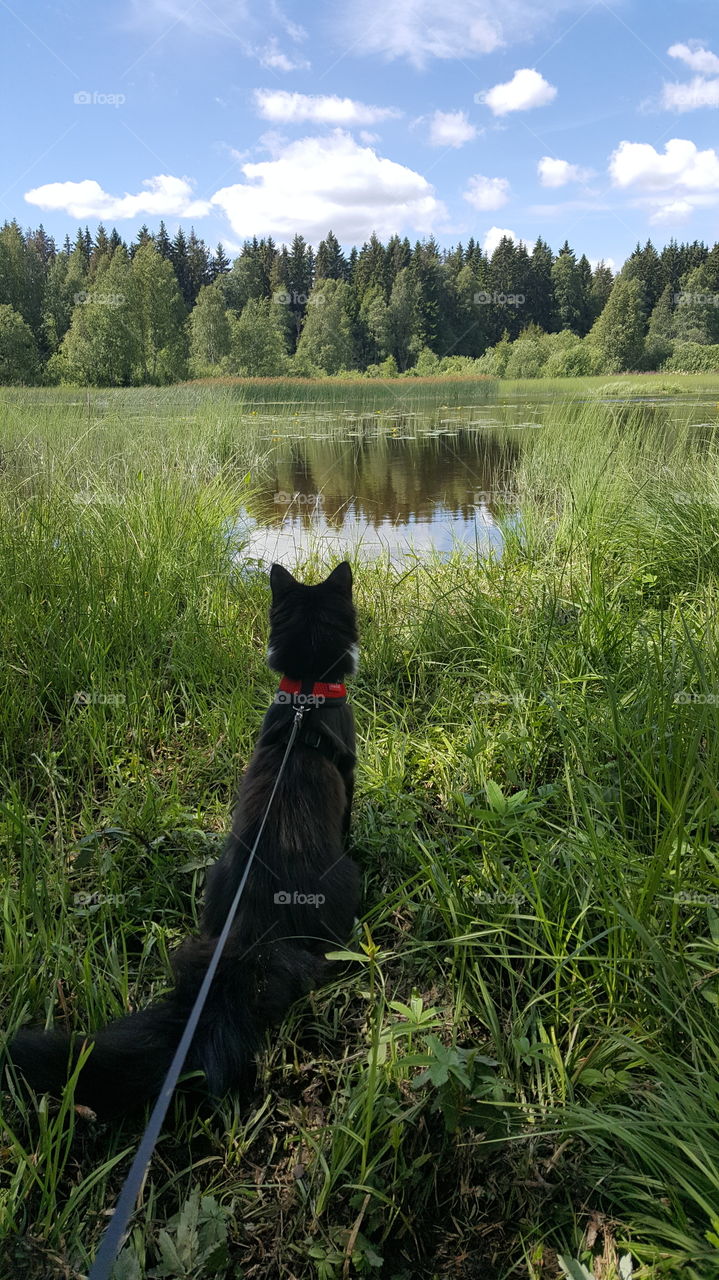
(102, 312)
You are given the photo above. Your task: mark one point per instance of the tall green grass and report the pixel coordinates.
(517, 1060)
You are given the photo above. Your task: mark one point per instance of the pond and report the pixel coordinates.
(397, 482)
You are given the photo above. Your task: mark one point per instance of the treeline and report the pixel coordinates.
(102, 312)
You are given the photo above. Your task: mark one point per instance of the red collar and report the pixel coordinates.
(319, 690)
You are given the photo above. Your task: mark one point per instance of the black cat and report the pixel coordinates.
(302, 892)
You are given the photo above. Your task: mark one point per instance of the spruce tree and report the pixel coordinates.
(618, 335)
(330, 263)
(220, 263)
(567, 286)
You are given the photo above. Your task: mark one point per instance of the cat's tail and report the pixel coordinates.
(129, 1058)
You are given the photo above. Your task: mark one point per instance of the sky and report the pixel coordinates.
(569, 119)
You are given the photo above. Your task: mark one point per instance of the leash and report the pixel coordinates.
(113, 1236)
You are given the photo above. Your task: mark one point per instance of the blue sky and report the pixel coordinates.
(568, 119)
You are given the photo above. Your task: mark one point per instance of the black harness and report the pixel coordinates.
(319, 728)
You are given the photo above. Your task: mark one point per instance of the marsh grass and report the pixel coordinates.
(517, 1060)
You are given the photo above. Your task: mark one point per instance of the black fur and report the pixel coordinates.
(275, 951)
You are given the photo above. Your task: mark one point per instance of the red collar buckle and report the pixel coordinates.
(321, 689)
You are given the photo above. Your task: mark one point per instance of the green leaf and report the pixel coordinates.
(495, 797)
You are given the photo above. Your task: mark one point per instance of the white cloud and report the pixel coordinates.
(496, 234)
(682, 167)
(282, 107)
(164, 196)
(487, 193)
(696, 57)
(696, 93)
(450, 129)
(527, 89)
(321, 182)
(420, 30)
(671, 185)
(240, 23)
(557, 173)
(700, 91)
(603, 262)
(275, 59)
(675, 211)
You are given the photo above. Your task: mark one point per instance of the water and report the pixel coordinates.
(402, 483)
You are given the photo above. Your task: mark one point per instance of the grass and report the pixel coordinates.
(514, 1073)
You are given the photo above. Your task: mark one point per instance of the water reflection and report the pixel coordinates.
(392, 482)
(383, 494)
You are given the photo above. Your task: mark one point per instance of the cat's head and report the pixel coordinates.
(313, 630)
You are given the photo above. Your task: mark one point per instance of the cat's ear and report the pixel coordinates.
(281, 581)
(341, 578)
